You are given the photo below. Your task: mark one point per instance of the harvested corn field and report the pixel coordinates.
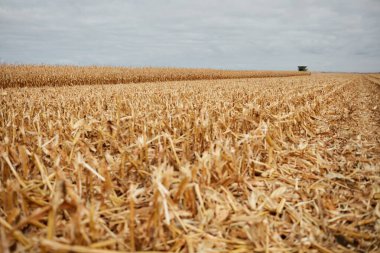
(47, 75)
(242, 165)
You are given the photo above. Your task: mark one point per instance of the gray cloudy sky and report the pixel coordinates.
(233, 34)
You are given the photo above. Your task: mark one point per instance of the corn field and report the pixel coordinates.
(45, 75)
(280, 164)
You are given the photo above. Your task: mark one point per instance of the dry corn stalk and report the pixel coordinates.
(45, 75)
(242, 165)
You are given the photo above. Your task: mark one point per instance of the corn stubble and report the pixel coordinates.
(244, 165)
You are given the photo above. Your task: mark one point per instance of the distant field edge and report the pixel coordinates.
(65, 75)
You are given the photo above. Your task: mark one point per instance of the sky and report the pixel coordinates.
(326, 35)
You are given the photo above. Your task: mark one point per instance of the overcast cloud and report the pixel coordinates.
(326, 35)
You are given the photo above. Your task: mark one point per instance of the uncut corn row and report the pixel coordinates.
(41, 75)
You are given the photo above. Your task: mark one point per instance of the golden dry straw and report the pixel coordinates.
(241, 165)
